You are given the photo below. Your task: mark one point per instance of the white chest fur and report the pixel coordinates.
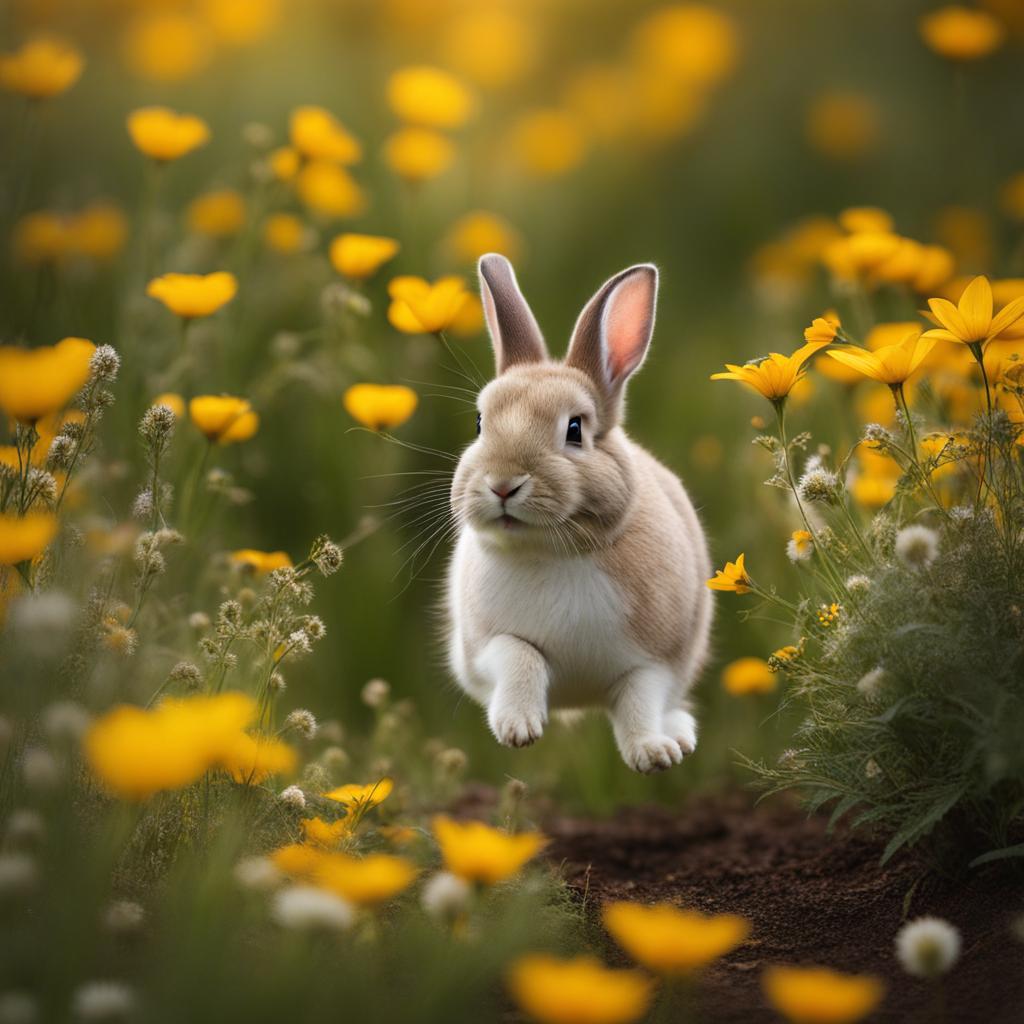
(568, 608)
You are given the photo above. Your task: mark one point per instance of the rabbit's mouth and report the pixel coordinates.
(509, 522)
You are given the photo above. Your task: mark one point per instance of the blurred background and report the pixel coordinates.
(720, 141)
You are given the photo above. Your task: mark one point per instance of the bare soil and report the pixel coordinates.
(813, 898)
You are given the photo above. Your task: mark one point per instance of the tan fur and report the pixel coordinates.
(579, 574)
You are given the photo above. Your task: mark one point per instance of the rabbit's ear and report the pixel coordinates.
(514, 331)
(614, 330)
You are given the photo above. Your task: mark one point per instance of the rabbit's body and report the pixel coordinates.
(578, 576)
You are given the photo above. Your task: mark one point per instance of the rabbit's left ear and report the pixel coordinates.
(614, 330)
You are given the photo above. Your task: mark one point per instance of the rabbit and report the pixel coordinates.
(578, 575)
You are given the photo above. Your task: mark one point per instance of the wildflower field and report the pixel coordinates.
(241, 343)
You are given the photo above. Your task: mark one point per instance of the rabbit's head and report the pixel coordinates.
(550, 466)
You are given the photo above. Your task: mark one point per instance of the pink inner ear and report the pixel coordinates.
(628, 320)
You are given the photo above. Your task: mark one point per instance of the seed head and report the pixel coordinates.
(305, 908)
(157, 425)
(303, 722)
(928, 946)
(917, 546)
(870, 684)
(103, 1000)
(445, 896)
(375, 693)
(819, 486)
(124, 917)
(327, 556)
(186, 674)
(294, 797)
(257, 873)
(104, 364)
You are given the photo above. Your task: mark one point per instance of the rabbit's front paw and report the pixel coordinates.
(515, 727)
(682, 727)
(651, 753)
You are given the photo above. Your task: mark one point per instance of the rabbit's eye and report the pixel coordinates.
(574, 435)
(478, 424)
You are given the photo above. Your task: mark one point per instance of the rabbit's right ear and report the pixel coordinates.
(513, 329)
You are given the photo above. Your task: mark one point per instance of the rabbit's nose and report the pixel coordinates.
(505, 487)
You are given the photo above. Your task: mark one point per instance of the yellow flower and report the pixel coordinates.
(241, 22)
(935, 267)
(549, 142)
(355, 798)
(577, 991)
(971, 321)
(219, 214)
(748, 675)
(961, 33)
(479, 232)
(1011, 196)
(823, 328)
(478, 853)
(284, 233)
(859, 255)
(223, 418)
(491, 45)
(361, 256)
(193, 295)
(98, 232)
(42, 68)
(470, 319)
(800, 546)
(430, 97)
(173, 401)
(327, 834)
(163, 135)
(786, 654)
(667, 940)
(284, 163)
(40, 237)
(890, 364)
(365, 881)
(419, 307)
(22, 539)
(166, 46)
(262, 561)
(865, 219)
(318, 135)
(37, 381)
(817, 995)
(691, 43)
(136, 753)
(380, 406)
(329, 190)
(418, 154)
(732, 578)
(843, 125)
(299, 860)
(252, 759)
(775, 375)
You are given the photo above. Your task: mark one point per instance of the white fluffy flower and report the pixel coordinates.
(103, 1000)
(928, 946)
(304, 908)
(123, 917)
(18, 871)
(445, 895)
(18, 1008)
(917, 546)
(257, 873)
(294, 797)
(869, 684)
(800, 546)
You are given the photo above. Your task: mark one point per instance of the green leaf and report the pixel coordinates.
(922, 825)
(1003, 853)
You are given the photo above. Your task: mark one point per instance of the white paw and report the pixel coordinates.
(516, 727)
(682, 727)
(651, 753)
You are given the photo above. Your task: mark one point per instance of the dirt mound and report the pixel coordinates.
(812, 897)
